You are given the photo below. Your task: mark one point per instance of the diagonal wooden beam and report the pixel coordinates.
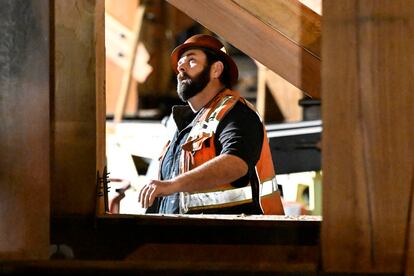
(244, 25)
(292, 19)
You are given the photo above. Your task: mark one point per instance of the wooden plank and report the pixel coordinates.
(286, 96)
(409, 256)
(291, 18)
(25, 135)
(127, 75)
(262, 258)
(156, 267)
(76, 144)
(100, 95)
(134, 231)
(368, 143)
(118, 41)
(113, 84)
(261, 89)
(122, 12)
(265, 44)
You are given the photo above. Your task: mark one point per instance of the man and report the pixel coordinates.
(219, 156)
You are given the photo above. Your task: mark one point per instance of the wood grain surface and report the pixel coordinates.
(368, 119)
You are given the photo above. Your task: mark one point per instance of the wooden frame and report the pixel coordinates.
(367, 151)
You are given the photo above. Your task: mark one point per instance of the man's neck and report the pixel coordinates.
(205, 96)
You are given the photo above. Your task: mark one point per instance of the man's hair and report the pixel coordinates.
(212, 57)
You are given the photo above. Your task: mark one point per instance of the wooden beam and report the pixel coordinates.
(132, 232)
(25, 134)
(118, 41)
(290, 18)
(100, 95)
(368, 144)
(127, 74)
(409, 256)
(77, 145)
(286, 96)
(253, 35)
(261, 89)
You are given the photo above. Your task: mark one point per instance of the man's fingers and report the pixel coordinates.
(146, 195)
(149, 192)
(151, 197)
(142, 195)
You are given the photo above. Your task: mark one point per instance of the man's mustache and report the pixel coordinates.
(183, 76)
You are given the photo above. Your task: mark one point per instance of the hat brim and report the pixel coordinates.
(179, 50)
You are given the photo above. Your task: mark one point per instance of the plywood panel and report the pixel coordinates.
(368, 133)
(75, 106)
(24, 129)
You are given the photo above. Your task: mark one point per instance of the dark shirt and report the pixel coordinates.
(239, 133)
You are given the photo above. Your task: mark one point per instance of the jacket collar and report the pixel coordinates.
(183, 116)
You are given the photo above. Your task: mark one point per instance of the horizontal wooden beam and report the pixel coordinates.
(251, 32)
(120, 236)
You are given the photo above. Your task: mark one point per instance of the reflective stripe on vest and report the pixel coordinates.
(195, 152)
(226, 198)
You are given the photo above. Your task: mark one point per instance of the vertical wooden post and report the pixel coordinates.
(261, 89)
(24, 129)
(368, 143)
(286, 96)
(79, 84)
(409, 256)
(100, 95)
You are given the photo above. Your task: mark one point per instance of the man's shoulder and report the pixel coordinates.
(241, 117)
(243, 110)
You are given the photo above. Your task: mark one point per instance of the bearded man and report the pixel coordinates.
(219, 160)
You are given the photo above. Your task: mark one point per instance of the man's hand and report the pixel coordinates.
(222, 169)
(153, 189)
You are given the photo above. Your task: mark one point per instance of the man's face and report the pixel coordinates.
(194, 74)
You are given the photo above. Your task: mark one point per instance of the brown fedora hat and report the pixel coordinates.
(208, 42)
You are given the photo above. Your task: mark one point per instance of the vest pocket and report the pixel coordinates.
(199, 150)
(197, 143)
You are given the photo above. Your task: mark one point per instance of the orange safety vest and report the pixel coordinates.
(195, 152)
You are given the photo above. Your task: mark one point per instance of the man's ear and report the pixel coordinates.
(217, 69)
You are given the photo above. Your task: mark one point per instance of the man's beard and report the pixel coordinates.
(188, 87)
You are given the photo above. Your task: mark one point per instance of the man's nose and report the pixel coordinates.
(181, 67)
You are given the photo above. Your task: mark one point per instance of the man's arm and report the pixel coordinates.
(220, 170)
